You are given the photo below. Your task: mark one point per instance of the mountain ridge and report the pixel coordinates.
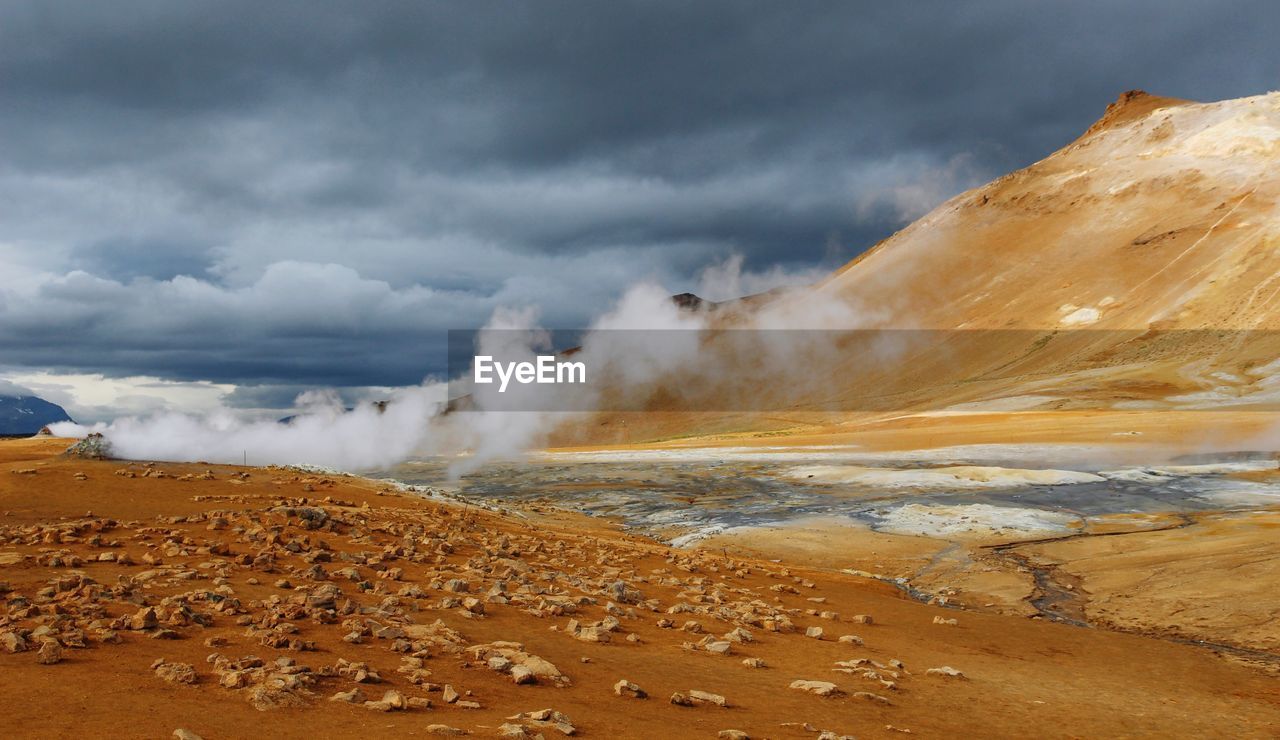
(27, 415)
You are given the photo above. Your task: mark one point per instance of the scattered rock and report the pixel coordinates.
(821, 688)
(144, 619)
(519, 732)
(706, 697)
(871, 697)
(183, 673)
(391, 701)
(626, 688)
(12, 642)
(354, 696)
(549, 718)
(523, 674)
(50, 652)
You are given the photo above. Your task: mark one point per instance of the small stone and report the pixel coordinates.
(849, 640)
(522, 675)
(449, 696)
(395, 699)
(706, 697)
(12, 642)
(814, 632)
(626, 688)
(184, 734)
(681, 700)
(354, 696)
(733, 735)
(753, 662)
(144, 619)
(175, 672)
(945, 621)
(862, 619)
(945, 671)
(871, 697)
(821, 688)
(444, 730)
(50, 652)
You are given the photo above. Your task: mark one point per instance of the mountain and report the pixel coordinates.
(1162, 214)
(26, 415)
(1137, 269)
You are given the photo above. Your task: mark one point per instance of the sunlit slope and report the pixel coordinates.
(1134, 270)
(1163, 214)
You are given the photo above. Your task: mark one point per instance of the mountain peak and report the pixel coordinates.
(1131, 105)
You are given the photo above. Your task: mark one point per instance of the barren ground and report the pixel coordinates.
(387, 571)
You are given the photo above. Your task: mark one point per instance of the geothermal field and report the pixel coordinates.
(1011, 473)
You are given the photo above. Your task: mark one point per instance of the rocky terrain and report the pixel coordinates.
(144, 600)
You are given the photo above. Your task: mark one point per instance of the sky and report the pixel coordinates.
(224, 204)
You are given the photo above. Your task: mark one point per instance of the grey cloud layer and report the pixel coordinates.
(180, 181)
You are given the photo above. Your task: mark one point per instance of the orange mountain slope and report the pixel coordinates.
(1135, 270)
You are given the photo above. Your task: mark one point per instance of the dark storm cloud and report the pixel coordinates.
(457, 156)
(127, 259)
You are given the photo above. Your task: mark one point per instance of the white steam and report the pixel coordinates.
(416, 422)
(324, 434)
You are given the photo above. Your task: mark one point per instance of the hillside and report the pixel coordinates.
(1132, 271)
(1160, 215)
(25, 415)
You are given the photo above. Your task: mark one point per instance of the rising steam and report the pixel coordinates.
(414, 423)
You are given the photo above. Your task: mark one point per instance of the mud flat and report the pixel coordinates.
(990, 527)
(229, 602)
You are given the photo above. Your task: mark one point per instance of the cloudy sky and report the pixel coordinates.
(205, 203)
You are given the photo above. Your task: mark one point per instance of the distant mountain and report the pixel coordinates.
(28, 414)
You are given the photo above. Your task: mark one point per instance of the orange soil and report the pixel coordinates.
(1025, 677)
